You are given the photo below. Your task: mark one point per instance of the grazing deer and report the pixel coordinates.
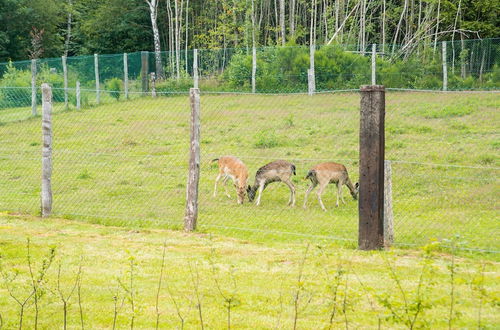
(276, 171)
(232, 167)
(326, 173)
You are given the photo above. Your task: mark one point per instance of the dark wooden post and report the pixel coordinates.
(144, 71)
(191, 214)
(46, 150)
(371, 168)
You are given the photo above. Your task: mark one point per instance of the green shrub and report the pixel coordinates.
(114, 86)
(266, 140)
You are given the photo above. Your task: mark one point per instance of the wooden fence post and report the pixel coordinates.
(371, 168)
(46, 150)
(195, 68)
(153, 84)
(65, 76)
(254, 68)
(311, 79)
(144, 70)
(191, 214)
(388, 215)
(374, 64)
(78, 96)
(125, 74)
(97, 88)
(33, 87)
(445, 68)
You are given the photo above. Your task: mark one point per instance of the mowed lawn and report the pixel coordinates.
(110, 277)
(125, 164)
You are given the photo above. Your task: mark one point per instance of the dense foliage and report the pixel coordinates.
(81, 27)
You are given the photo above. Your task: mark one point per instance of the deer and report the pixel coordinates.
(326, 173)
(233, 168)
(277, 171)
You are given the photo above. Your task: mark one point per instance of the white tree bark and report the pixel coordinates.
(282, 22)
(68, 27)
(292, 18)
(153, 12)
(46, 150)
(254, 52)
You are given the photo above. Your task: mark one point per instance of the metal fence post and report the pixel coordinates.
(78, 96)
(96, 69)
(371, 168)
(195, 68)
(388, 215)
(65, 76)
(125, 74)
(153, 84)
(33, 87)
(46, 150)
(191, 214)
(144, 70)
(254, 68)
(445, 68)
(311, 79)
(374, 64)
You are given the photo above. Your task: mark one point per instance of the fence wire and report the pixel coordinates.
(124, 162)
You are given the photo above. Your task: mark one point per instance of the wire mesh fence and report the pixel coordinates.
(124, 162)
(467, 65)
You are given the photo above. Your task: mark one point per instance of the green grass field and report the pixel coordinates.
(320, 286)
(125, 163)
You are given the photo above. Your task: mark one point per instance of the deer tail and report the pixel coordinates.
(311, 174)
(293, 170)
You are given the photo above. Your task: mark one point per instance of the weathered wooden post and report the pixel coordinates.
(311, 79)
(153, 84)
(374, 64)
(191, 214)
(371, 168)
(388, 215)
(125, 74)
(78, 96)
(33, 87)
(254, 68)
(144, 71)
(445, 68)
(97, 88)
(65, 76)
(46, 150)
(195, 68)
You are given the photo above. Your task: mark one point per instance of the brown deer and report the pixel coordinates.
(232, 167)
(326, 173)
(277, 171)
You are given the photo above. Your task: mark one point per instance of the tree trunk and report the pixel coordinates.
(282, 22)
(68, 28)
(292, 19)
(153, 12)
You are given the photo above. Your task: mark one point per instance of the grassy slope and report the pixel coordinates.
(125, 163)
(265, 277)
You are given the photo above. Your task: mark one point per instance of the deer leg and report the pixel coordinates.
(217, 181)
(319, 193)
(340, 192)
(261, 188)
(290, 185)
(311, 187)
(225, 186)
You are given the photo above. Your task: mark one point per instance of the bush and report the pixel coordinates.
(114, 86)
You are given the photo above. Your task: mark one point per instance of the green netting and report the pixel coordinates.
(471, 65)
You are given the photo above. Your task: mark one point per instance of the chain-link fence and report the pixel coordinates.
(126, 162)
